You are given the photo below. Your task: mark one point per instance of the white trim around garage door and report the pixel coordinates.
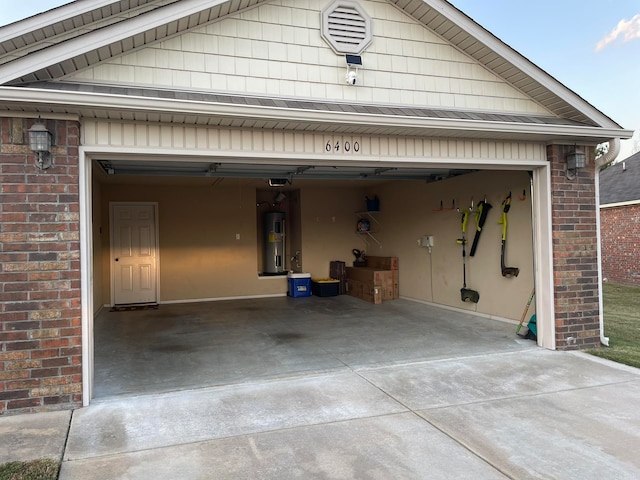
(542, 242)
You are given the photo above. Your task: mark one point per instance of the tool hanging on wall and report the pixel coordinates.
(481, 217)
(466, 294)
(506, 271)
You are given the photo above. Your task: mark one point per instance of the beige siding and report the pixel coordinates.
(276, 49)
(274, 143)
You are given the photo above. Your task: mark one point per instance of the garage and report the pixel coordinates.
(174, 128)
(210, 246)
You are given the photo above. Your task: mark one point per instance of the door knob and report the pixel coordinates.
(117, 259)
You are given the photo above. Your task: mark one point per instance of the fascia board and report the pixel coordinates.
(37, 22)
(99, 38)
(189, 107)
(520, 62)
(620, 204)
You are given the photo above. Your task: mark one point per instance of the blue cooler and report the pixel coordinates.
(299, 284)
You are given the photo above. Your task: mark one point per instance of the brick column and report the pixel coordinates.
(40, 317)
(574, 252)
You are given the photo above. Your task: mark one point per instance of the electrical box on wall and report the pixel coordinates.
(426, 241)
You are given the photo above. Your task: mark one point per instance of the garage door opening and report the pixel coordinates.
(212, 291)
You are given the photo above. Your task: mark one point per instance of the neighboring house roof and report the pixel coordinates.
(65, 40)
(620, 183)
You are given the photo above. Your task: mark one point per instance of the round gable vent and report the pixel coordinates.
(346, 27)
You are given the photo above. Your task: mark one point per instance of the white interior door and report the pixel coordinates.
(134, 253)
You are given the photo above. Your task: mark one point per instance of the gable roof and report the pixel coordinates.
(620, 183)
(86, 32)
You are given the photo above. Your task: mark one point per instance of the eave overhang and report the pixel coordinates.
(144, 108)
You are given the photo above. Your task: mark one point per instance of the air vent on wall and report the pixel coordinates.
(346, 27)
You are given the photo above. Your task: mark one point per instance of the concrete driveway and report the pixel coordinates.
(452, 397)
(528, 414)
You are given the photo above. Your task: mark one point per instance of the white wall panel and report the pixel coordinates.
(219, 141)
(276, 49)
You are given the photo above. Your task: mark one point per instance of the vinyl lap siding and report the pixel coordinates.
(276, 49)
(260, 143)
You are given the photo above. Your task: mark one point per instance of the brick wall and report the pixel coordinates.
(574, 252)
(40, 318)
(620, 231)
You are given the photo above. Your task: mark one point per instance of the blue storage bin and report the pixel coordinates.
(299, 285)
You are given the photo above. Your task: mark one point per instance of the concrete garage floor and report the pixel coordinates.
(228, 342)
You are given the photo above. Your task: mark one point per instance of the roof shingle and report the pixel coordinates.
(621, 182)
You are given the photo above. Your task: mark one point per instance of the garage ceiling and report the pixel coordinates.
(274, 171)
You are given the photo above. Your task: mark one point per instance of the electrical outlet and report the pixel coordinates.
(426, 241)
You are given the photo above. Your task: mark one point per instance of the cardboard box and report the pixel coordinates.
(364, 291)
(382, 263)
(396, 284)
(382, 279)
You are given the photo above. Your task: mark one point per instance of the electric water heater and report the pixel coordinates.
(274, 241)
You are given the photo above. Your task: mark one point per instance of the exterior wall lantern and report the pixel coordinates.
(575, 160)
(40, 144)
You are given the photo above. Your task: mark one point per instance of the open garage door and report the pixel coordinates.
(209, 243)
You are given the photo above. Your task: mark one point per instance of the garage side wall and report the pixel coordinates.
(40, 357)
(412, 210)
(575, 255)
(620, 230)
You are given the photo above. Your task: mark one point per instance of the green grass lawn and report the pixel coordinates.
(621, 324)
(44, 469)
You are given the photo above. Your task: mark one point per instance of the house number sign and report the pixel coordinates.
(342, 146)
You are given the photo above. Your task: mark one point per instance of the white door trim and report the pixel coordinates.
(86, 274)
(543, 257)
(112, 255)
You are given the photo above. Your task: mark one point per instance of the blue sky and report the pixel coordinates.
(591, 46)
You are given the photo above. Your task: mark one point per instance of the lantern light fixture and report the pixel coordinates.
(575, 160)
(40, 140)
